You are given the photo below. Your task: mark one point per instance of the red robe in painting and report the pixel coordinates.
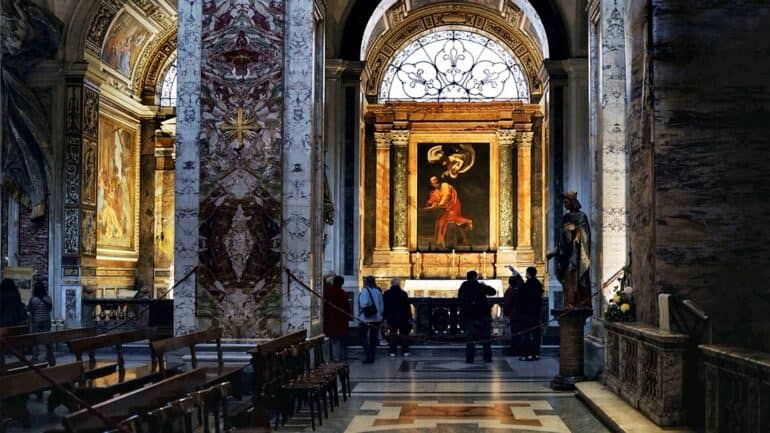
(444, 196)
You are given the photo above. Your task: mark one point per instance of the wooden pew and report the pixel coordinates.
(10, 331)
(214, 375)
(14, 389)
(47, 339)
(266, 370)
(135, 402)
(99, 381)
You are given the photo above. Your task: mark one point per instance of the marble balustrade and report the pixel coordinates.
(644, 365)
(737, 389)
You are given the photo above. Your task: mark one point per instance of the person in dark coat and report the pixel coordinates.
(336, 313)
(531, 300)
(475, 316)
(12, 311)
(512, 310)
(39, 308)
(398, 316)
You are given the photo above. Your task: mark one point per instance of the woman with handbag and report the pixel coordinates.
(370, 308)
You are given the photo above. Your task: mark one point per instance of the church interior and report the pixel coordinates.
(184, 184)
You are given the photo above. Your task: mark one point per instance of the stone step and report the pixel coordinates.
(616, 414)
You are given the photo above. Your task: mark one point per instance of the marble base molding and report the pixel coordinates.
(737, 389)
(645, 366)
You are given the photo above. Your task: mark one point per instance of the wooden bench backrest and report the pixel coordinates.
(42, 338)
(265, 369)
(315, 346)
(143, 399)
(30, 381)
(161, 347)
(10, 331)
(90, 344)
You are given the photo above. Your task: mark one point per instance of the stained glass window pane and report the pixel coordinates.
(454, 66)
(168, 88)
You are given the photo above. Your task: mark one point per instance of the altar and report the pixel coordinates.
(443, 288)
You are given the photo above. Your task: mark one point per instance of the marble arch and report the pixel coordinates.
(404, 29)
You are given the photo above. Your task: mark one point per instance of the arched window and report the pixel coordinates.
(168, 88)
(454, 66)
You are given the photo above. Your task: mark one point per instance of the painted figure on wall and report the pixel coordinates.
(444, 196)
(123, 43)
(573, 254)
(454, 194)
(115, 192)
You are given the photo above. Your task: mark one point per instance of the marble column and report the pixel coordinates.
(298, 162)
(524, 252)
(505, 139)
(382, 194)
(400, 141)
(79, 204)
(187, 167)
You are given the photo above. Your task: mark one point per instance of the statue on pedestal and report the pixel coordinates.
(573, 253)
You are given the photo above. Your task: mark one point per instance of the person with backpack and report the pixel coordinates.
(370, 307)
(475, 316)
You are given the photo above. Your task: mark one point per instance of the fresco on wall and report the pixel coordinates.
(116, 186)
(123, 43)
(452, 197)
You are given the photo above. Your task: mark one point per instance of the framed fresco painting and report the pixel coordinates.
(123, 43)
(117, 190)
(453, 185)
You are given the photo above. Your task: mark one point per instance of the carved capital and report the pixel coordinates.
(399, 138)
(382, 140)
(506, 137)
(525, 139)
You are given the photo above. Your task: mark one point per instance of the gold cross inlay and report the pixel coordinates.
(240, 127)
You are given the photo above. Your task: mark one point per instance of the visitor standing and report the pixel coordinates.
(475, 316)
(370, 306)
(398, 317)
(39, 308)
(12, 311)
(336, 313)
(512, 310)
(531, 301)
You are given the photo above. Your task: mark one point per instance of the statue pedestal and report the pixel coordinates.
(571, 324)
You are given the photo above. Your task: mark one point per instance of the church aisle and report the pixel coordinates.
(444, 394)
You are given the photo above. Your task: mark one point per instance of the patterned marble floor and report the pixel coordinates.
(443, 394)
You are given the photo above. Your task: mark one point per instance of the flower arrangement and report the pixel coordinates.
(621, 306)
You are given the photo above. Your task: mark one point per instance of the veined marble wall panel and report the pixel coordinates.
(640, 162)
(711, 161)
(187, 176)
(239, 276)
(297, 162)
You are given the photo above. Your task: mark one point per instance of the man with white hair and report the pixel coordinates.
(398, 316)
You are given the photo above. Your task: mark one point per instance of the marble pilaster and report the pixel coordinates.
(400, 141)
(79, 202)
(524, 250)
(382, 142)
(297, 236)
(505, 139)
(611, 171)
(187, 167)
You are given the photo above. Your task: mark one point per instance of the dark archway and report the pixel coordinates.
(362, 10)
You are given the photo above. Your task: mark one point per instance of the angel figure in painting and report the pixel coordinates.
(573, 253)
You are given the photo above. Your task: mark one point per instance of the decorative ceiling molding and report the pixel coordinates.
(505, 28)
(152, 63)
(154, 56)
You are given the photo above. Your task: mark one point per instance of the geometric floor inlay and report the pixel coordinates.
(454, 366)
(497, 415)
